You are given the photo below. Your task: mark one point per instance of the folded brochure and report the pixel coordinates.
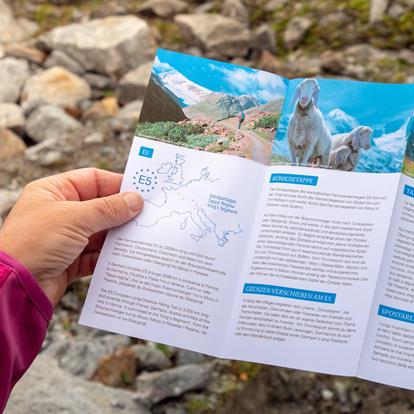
(278, 224)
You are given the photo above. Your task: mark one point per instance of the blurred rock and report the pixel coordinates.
(49, 121)
(407, 56)
(94, 138)
(150, 359)
(296, 30)
(377, 9)
(185, 357)
(274, 5)
(235, 9)
(46, 388)
(264, 38)
(112, 45)
(157, 386)
(14, 30)
(105, 108)
(13, 73)
(60, 58)
(48, 153)
(271, 63)
(56, 86)
(117, 369)
(11, 145)
(162, 8)
(332, 62)
(99, 82)
(215, 33)
(134, 84)
(8, 198)
(25, 52)
(11, 116)
(127, 117)
(2, 52)
(82, 356)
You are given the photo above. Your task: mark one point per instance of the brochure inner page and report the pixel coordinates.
(388, 355)
(169, 275)
(308, 282)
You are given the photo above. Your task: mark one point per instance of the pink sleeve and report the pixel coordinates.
(25, 312)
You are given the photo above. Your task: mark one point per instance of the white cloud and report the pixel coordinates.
(263, 85)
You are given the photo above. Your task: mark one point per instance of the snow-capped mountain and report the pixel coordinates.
(339, 121)
(218, 106)
(388, 153)
(188, 92)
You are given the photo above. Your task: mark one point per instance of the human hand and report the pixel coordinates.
(59, 223)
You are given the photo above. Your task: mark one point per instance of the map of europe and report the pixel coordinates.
(175, 200)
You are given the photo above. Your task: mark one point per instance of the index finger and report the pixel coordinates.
(87, 183)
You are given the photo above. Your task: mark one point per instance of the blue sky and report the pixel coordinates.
(372, 104)
(223, 77)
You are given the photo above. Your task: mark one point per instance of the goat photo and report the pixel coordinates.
(344, 125)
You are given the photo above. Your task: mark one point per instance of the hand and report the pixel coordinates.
(58, 225)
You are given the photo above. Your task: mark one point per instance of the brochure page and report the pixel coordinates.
(388, 355)
(169, 275)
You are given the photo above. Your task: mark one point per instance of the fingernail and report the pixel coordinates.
(134, 202)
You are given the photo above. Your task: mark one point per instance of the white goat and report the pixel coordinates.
(346, 148)
(309, 138)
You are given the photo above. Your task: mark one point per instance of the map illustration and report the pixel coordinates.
(174, 198)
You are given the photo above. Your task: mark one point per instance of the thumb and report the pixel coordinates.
(108, 212)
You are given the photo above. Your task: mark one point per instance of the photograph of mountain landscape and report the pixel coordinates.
(408, 166)
(384, 110)
(212, 106)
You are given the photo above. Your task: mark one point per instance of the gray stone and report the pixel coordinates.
(11, 116)
(46, 388)
(13, 73)
(127, 117)
(31, 54)
(7, 200)
(56, 86)
(60, 58)
(377, 9)
(94, 138)
(49, 121)
(185, 357)
(157, 386)
(48, 153)
(296, 31)
(99, 82)
(407, 56)
(11, 145)
(215, 33)
(163, 8)
(150, 359)
(274, 5)
(235, 9)
(82, 356)
(134, 84)
(264, 38)
(14, 30)
(112, 45)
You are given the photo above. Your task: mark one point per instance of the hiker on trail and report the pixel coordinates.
(241, 117)
(52, 236)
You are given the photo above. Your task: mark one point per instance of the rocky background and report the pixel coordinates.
(72, 79)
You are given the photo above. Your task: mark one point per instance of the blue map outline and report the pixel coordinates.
(176, 180)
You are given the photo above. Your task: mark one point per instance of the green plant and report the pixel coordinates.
(200, 140)
(169, 131)
(267, 121)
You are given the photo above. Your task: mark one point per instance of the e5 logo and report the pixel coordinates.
(146, 152)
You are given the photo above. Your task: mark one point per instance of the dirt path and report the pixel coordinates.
(257, 148)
